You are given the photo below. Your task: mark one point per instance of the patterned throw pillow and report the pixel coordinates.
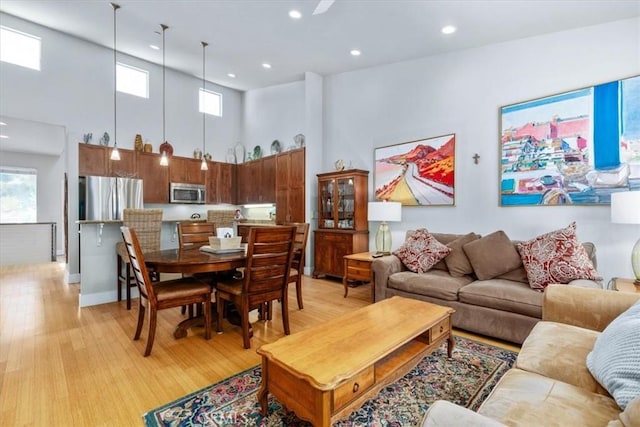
(556, 257)
(615, 358)
(421, 251)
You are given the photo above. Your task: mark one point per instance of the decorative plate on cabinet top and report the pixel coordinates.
(257, 152)
(275, 147)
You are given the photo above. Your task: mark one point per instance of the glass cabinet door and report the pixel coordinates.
(327, 204)
(345, 203)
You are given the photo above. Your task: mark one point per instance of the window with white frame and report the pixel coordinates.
(132, 80)
(210, 102)
(20, 48)
(18, 195)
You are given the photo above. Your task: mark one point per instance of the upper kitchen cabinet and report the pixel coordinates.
(95, 160)
(257, 181)
(155, 177)
(185, 170)
(126, 166)
(290, 191)
(221, 183)
(92, 160)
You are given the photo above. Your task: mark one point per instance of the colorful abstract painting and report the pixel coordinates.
(576, 147)
(417, 173)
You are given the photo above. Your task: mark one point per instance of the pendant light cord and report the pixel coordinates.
(164, 139)
(115, 79)
(204, 97)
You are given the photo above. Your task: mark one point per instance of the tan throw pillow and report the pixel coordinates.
(492, 255)
(457, 262)
(421, 251)
(556, 257)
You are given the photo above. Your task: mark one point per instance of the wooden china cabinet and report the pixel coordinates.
(343, 228)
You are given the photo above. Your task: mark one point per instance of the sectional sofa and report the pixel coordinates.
(580, 366)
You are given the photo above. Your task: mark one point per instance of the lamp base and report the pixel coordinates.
(383, 239)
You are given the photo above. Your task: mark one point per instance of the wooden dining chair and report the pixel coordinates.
(160, 295)
(269, 255)
(148, 225)
(195, 234)
(297, 263)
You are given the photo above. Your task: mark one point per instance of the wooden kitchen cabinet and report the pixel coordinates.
(343, 228)
(126, 166)
(221, 183)
(186, 170)
(95, 160)
(290, 186)
(92, 160)
(256, 181)
(155, 177)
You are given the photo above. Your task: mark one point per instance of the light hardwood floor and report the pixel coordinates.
(65, 365)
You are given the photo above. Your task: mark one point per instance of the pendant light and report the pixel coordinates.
(203, 165)
(164, 161)
(115, 154)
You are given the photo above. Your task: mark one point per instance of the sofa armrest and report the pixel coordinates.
(584, 307)
(444, 414)
(382, 268)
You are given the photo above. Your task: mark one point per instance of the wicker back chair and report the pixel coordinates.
(147, 223)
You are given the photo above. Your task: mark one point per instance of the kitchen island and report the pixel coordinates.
(98, 257)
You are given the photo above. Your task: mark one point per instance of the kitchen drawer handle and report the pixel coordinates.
(356, 387)
(441, 328)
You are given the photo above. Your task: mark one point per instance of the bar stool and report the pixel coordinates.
(147, 224)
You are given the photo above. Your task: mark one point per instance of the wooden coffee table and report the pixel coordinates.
(324, 373)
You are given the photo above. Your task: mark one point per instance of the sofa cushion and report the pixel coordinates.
(556, 257)
(435, 283)
(559, 351)
(615, 358)
(457, 262)
(503, 295)
(445, 239)
(492, 255)
(421, 251)
(524, 398)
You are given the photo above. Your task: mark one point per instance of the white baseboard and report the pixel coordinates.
(87, 300)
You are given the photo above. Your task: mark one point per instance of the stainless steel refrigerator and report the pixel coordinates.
(105, 197)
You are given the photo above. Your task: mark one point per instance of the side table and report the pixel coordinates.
(358, 267)
(623, 284)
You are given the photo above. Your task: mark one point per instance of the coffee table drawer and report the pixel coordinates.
(440, 329)
(357, 385)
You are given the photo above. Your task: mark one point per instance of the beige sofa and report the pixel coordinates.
(550, 384)
(503, 307)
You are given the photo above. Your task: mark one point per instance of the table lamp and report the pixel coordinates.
(384, 211)
(625, 209)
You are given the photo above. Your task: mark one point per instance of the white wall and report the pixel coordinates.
(275, 112)
(461, 93)
(74, 89)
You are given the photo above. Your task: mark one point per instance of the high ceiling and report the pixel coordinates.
(242, 34)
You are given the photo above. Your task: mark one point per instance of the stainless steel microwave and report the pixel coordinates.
(187, 193)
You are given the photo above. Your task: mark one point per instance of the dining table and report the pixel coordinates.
(193, 261)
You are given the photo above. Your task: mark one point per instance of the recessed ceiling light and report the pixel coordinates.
(154, 47)
(448, 29)
(4, 137)
(233, 76)
(265, 65)
(355, 52)
(3, 124)
(295, 14)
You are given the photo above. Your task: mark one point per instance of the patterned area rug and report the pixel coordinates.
(466, 379)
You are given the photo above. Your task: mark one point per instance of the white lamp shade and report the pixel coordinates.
(625, 207)
(384, 211)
